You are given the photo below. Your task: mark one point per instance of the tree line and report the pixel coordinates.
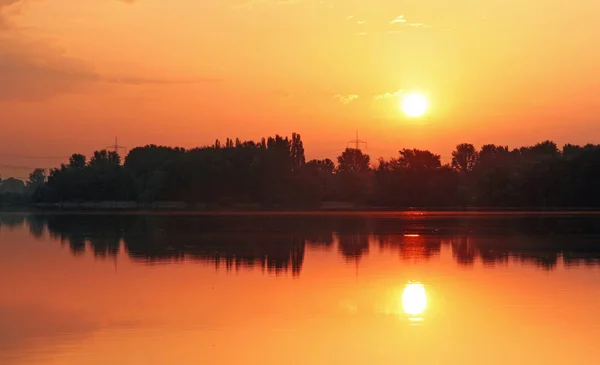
(274, 172)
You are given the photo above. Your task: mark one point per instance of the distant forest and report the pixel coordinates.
(273, 173)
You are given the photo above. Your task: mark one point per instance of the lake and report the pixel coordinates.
(299, 288)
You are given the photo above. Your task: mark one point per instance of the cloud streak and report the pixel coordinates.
(34, 70)
(345, 99)
(398, 24)
(4, 5)
(398, 20)
(388, 95)
(401, 20)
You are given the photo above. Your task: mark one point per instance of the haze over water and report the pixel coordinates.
(382, 288)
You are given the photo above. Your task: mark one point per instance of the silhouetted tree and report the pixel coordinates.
(148, 166)
(325, 166)
(318, 180)
(297, 152)
(36, 178)
(415, 178)
(464, 157)
(491, 152)
(77, 161)
(13, 192)
(105, 158)
(12, 186)
(353, 178)
(353, 160)
(416, 159)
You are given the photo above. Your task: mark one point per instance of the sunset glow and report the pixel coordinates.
(299, 182)
(79, 73)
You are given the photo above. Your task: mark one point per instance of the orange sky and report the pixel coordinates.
(73, 74)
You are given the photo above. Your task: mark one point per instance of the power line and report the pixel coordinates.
(20, 167)
(324, 154)
(32, 157)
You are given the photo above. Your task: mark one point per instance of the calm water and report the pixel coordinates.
(299, 289)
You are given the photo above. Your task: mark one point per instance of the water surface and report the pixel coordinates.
(299, 289)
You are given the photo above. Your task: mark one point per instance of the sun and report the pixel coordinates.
(414, 299)
(414, 105)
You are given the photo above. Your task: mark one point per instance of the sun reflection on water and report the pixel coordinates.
(414, 301)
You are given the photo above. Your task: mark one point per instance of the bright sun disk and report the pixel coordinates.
(414, 105)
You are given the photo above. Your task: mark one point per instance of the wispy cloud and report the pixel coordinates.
(398, 20)
(345, 99)
(5, 7)
(399, 24)
(420, 25)
(401, 20)
(388, 95)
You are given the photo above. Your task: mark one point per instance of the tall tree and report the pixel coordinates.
(36, 178)
(77, 161)
(464, 157)
(297, 151)
(353, 160)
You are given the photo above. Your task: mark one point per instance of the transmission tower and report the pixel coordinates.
(357, 142)
(116, 147)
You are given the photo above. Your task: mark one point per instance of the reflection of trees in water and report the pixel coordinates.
(579, 258)
(322, 240)
(102, 233)
(232, 243)
(464, 250)
(11, 221)
(411, 246)
(353, 236)
(353, 246)
(542, 250)
(277, 243)
(36, 227)
(155, 239)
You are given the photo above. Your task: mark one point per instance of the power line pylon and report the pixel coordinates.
(116, 147)
(357, 142)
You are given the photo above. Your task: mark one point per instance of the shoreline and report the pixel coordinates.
(127, 208)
